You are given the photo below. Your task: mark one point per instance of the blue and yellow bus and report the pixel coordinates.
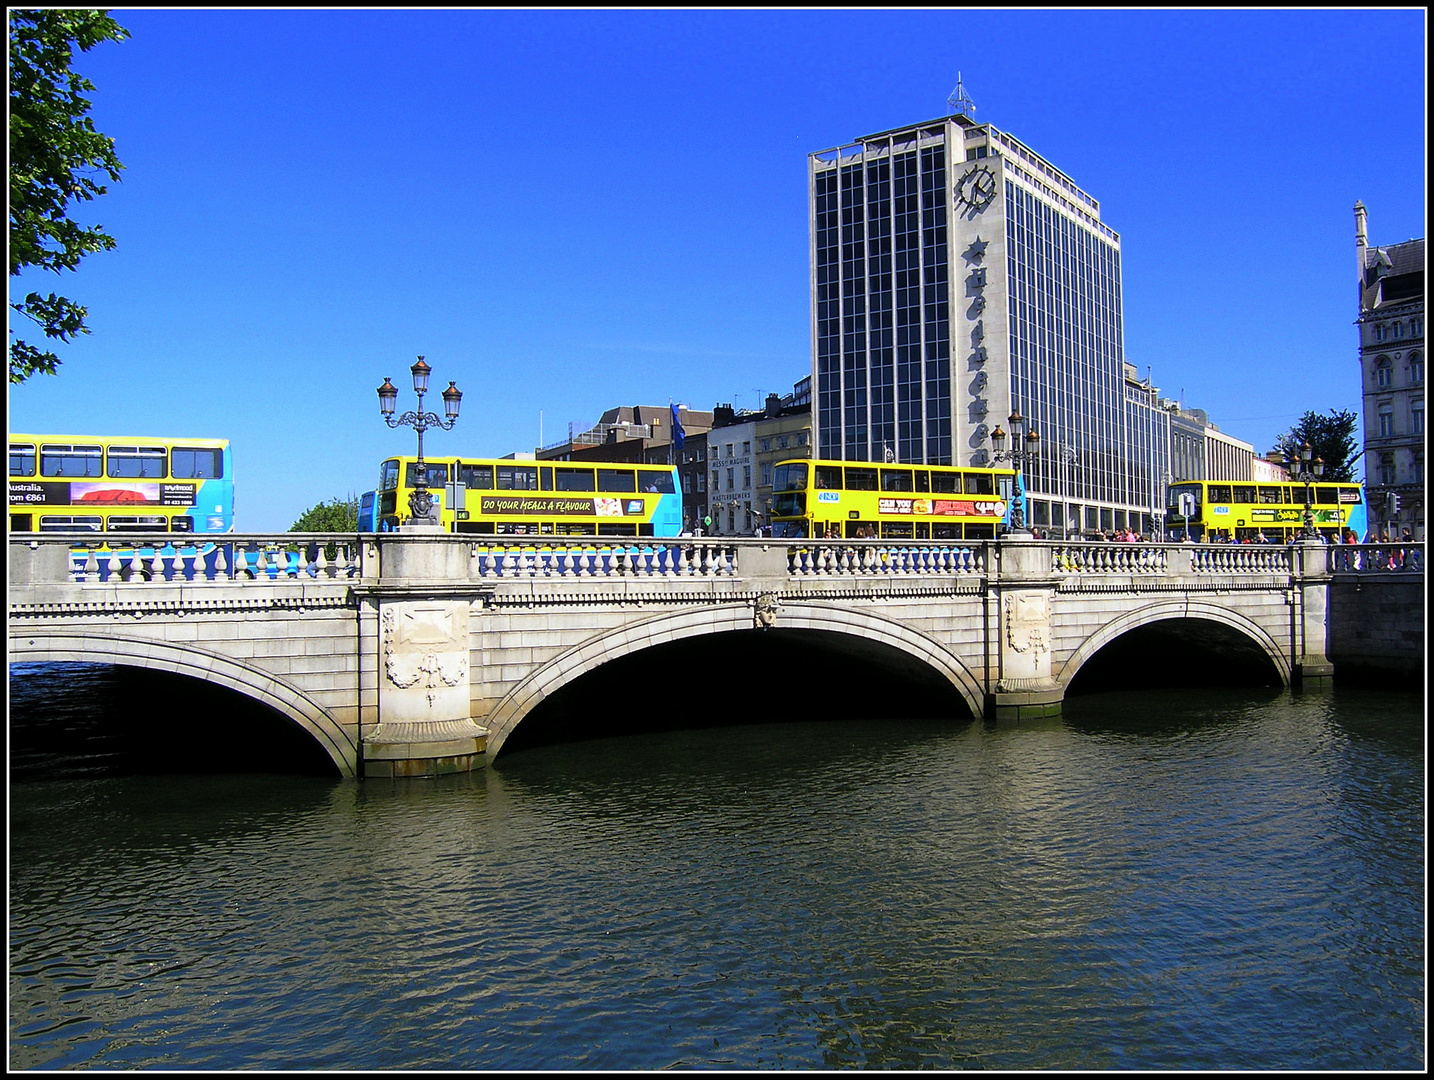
(1223, 510)
(95, 483)
(508, 497)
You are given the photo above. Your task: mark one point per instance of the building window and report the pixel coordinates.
(1416, 369)
(1416, 327)
(1386, 469)
(702, 481)
(1386, 421)
(746, 448)
(782, 442)
(729, 450)
(731, 473)
(1381, 332)
(1383, 373)
(716, 481)
(766, 444)
(1417, 468)
(1398, 330)
(767, 475)
(747, 469)
(801, 438)
(1416, 417)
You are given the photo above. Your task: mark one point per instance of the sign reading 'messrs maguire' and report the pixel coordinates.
(101, 493)
(531, 506)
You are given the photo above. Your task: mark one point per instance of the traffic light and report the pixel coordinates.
(1393, 504)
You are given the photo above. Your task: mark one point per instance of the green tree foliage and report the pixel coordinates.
(335, 515)
(1331, 436)
(56, 157)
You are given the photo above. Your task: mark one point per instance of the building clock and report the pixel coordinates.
(976, 189)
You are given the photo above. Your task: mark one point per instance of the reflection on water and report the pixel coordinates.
(1211, 879)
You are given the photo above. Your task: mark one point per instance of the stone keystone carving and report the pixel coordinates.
(764, 615)
(1028, 622)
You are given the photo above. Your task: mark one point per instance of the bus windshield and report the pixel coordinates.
(790, 477)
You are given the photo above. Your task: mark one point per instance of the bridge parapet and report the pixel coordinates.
(1371, 559)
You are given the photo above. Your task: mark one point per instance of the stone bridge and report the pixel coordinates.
(412, 654)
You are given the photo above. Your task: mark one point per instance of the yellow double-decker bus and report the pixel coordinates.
(1216, 510)
(859, 500)
(507, 497)
(102, 483)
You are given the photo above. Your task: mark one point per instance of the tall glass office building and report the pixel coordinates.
(958, 276)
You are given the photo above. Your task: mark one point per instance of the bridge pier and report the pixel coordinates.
(1025, 688)
(1310, 666)
(425, 727)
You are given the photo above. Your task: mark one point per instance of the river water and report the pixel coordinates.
(1157, 880)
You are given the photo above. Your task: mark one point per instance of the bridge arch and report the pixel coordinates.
(188, 659)
(1170, 611)
(612, 644)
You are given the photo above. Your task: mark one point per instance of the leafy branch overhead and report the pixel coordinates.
(56, 158)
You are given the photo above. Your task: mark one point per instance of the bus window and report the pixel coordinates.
(387, 503)
(621, 481)
(860, 479)
(944, 530)
(896, 530)
(895, 479)
(1244, 493)
(783, 529)
(388, 475)
(946, 483)
(476, 477)
(923, 480)
(1270, 494)
(572, 479)
(980, 483)
(368, 505)
(517, 478)
(923, 530)
(22, 522)
(436, 471)
(136, 461)
(658, 480)
(1220, 493)
(617, 530)
(146, 523)
(65, 523)
(826, 477)
(196, 463)
(789, 504)
(980, 532)
(58, 460)
(1327, 496)
(792, 477)
(22, 459)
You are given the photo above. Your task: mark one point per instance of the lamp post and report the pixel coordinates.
(1017, 455)
(420, 502)
(1304, 471)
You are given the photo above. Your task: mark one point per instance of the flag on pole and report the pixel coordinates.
(678, 435)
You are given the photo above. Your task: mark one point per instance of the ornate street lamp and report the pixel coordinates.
(1304, 471)
(1017, 456)
(420, 502)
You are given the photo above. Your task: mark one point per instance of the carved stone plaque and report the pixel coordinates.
(425, 662)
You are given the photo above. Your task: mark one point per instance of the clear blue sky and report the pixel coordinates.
(566, 211)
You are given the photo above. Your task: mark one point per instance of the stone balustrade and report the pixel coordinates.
(304, 558)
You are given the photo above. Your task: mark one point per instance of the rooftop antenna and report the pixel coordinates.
(960, 102)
